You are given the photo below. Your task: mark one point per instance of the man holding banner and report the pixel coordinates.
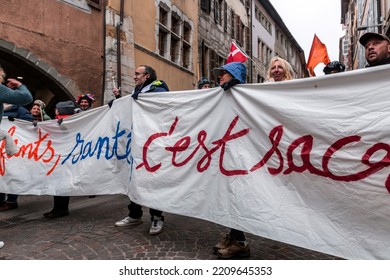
(145, 78)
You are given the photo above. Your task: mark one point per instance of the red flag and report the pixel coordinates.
(236, 55)
(318, 54)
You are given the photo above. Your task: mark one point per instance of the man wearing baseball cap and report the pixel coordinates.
(377, 48)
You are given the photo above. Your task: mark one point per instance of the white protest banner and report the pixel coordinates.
(303, 161)
(89, 153)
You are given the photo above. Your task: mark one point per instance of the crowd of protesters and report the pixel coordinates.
(14, 96)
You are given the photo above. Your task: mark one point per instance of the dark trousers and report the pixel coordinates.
(61, 203)
(237, 235)
(13, 198)
(135, 211)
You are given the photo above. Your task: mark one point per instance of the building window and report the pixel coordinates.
(269, 55)
(187, 32)
(97, 4)
(162, 42)
(215, 61)
(248, 45)
(242, 33)
(206, 5)
(232, 25)
(186, 56)
(260, 17)
(218, 12)
(186, 41)
(175, 24)
(163, 30)
(163, 17)
(174, 36)
(259, 49)
(206, 62)
(264, 53)
(225, 13)
(175, 48)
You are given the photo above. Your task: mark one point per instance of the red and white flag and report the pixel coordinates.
(236, 55)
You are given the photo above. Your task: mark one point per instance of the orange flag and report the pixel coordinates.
(318, 54)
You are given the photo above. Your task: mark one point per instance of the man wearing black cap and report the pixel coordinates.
(377, 48)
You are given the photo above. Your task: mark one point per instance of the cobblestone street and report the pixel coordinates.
(89, 233)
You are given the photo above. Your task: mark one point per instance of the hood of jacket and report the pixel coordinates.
(236, 69)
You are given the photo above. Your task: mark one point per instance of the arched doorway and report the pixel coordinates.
(42, 80)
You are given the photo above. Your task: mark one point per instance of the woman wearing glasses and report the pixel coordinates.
(232, 244)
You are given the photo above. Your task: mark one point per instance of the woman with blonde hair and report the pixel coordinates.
(279, 70)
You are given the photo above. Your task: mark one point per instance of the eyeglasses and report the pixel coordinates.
(222, 72)
(138, 74)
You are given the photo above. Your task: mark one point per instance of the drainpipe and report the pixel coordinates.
(104, 54)
(118, 45)
(250, 42)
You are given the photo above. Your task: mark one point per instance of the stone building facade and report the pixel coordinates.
(55, 46)
(66, 47)
(220, 23)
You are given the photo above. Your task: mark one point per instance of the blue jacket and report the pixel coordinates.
(19, 96)
(18, 112)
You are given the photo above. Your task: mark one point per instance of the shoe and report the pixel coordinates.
(128, 222)
(157, 226)
(56, 214)
(1, 244)
(225, 242)
(92, 196)
(236, 249)
(9, 206)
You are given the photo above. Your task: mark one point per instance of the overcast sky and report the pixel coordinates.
(305, 17)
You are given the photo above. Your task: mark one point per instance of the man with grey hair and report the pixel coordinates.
(377, 48)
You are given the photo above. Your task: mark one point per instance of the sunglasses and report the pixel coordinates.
(222, 72)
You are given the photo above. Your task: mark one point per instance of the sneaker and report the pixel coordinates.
(128, 222)
(1, 244)
(157, 226)
(223, 243)
(9, 206)
(236, 249)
